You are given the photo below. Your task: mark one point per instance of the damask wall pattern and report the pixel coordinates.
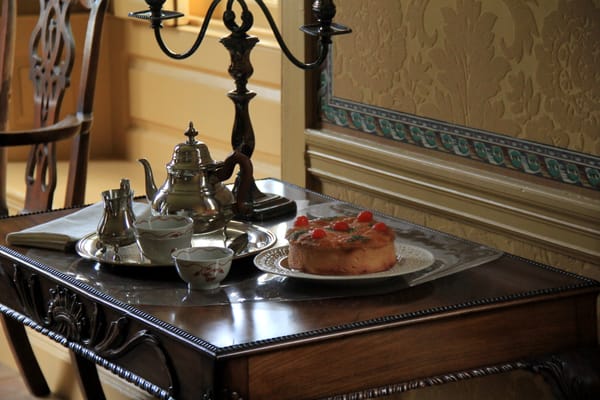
(512, 83)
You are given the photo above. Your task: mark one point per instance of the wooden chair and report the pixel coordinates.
(52, 55)
(7, 48)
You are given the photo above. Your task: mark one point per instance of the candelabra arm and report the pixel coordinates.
(323, 44)
(156, 16)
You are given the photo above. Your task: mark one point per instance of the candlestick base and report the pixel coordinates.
(271, 206)
(266, 206)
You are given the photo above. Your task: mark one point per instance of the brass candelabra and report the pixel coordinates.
(240, 44)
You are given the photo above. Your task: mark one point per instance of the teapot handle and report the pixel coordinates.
(246, 179)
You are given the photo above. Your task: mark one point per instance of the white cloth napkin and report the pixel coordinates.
(61, 233)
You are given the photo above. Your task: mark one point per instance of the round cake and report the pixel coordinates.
(341, 245)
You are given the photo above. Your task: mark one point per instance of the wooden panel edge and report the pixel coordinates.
(540, 214)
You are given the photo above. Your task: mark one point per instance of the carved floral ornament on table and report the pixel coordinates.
(239, 44)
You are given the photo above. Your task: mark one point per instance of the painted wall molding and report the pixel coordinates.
(409, 180)
(491, 148)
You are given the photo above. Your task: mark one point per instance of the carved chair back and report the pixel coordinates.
(8, 17)
(8, 12)
(52, 56)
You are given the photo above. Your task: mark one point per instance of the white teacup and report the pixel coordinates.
(203, 268)
(159, 235)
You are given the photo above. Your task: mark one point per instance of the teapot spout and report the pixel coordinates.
(150, 185)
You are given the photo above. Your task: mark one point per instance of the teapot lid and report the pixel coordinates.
(191, 155)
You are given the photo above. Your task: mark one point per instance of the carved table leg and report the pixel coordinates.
(87, 375)
(571, 375)
(24, 357)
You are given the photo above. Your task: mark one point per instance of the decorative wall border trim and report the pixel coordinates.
(503, 151)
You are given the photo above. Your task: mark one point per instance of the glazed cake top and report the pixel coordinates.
(340, 232)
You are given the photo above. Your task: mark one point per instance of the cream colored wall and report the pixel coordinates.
(294, 99)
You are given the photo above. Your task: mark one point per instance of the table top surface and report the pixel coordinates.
(255, 310)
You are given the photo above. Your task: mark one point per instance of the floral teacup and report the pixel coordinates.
(203, 268)
(159, 235)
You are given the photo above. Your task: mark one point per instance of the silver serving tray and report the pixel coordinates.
(259, 239)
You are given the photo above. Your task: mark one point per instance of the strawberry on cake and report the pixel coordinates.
(341, 245)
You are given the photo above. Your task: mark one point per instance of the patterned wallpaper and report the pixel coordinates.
(512, 83)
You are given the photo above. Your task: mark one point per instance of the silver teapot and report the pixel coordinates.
(194, 185)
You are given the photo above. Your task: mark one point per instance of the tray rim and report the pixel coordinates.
(243, 226)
